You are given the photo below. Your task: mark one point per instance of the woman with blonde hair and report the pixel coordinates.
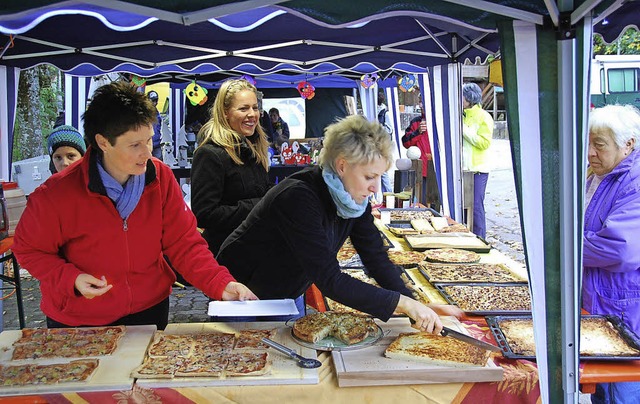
(291, 238)
(229, 170)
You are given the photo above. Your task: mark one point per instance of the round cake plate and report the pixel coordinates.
(334, 344)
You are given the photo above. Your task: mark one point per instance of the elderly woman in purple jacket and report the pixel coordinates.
(611, 275)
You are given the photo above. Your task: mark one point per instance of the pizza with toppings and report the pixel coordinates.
(451, 255)
(79, 370)
(454, 228)
(214, 354)
(497, 273)
(346, 253)
(436, 350)
(406, 215)
(346, 327)
(497, 298)
(406, 258)
(598, 337)
(41, 343)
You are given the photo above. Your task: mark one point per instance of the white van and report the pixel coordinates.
(615, 79)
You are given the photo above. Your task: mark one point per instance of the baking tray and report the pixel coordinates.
(627, 335)
(488, 312)
(461, 241)
(396, 227)
(409, 210)
(386, 242)
(458, 268)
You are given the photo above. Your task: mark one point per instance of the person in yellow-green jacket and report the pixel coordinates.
(477, 131)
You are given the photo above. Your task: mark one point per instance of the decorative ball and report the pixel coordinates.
(403, 164)
(414, 153)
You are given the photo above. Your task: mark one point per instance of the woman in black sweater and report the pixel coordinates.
(229, 170)
(291, 237)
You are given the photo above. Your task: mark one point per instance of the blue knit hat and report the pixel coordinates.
(66, 135)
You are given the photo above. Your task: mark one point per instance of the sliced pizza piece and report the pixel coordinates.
(161, 367)
(170, 345)
(247, 364)
(211, 365)
(252, 339)
(406, 259)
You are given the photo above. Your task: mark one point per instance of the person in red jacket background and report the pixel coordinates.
(416, 134)
(95, 234)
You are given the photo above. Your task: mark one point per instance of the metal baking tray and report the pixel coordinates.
(386, 242)
(394, 227)
(438, 240)
(627, 335)
(440, 288)
(434, 212)
(459, 267)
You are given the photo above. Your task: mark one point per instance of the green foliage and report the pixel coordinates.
(627, 44)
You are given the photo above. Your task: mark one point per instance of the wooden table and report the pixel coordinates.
(591, 372)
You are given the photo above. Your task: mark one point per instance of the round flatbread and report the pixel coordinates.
(452, 255)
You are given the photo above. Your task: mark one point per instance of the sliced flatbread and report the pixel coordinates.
(248, 364)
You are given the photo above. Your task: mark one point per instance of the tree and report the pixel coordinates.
(37, 109)
(627, 44)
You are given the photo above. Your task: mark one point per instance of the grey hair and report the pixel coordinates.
(356, 140)
(472, 93)
(622, 120)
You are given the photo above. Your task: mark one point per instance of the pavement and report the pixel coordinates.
(190, 305)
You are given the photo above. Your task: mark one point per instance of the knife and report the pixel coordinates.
(448, 332)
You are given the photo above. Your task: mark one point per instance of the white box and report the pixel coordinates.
(30, 173)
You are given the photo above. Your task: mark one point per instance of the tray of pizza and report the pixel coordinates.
(369, 366)
(408, 214)
(72, 359)
(362, 275)
(601, 338)
(222, 354)
(463, 241)
(469, 273)
(485, 299)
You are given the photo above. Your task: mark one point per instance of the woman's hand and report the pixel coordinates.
(426, 319)
(90, 286)
(447, 310)
(237, 291)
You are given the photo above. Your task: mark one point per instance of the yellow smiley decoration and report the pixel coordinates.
(195, 94)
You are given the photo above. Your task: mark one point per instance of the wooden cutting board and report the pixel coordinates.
(369, 367)
(113, 372)
(283, 370)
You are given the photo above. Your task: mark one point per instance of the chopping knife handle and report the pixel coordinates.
(279, 347)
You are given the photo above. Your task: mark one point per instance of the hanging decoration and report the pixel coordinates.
(306, 90)
(368, 80)
(195, 94)
(407, 83)
(248, 78)
(138, 81)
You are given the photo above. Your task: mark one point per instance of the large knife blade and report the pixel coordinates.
(448, 332)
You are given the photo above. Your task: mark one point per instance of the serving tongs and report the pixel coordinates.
(307, 363)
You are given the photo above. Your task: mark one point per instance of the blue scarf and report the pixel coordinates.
(126, 198)
(347, 207)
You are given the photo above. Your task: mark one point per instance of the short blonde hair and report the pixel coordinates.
(356, 140)
(622, 120)
(218, 130)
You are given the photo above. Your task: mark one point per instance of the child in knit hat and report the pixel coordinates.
(65, 145)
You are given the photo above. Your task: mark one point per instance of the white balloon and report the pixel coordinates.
(414, 152)
(403, 164)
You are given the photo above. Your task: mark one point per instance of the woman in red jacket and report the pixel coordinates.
(95, 234)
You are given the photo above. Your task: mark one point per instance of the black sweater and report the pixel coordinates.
(223, 192)
(290, 240)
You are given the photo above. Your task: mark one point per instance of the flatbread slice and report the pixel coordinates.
(436, 350)
(451, 255)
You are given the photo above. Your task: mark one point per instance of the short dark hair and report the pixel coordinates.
(274, 110)
(116, 108)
